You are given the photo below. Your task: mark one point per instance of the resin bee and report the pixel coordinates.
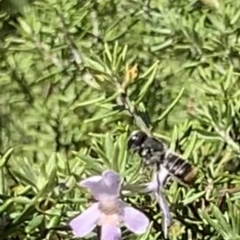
(153, 152)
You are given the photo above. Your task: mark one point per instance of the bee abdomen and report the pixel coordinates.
(179, 168)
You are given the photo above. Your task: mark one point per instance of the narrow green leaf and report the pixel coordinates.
(102, 155)
(92, 163)
(25, 179)
(26, 28)
(89, 102)
(208, 135)
(148, 83)
(49, 183)
(115, 55)
(222, 221)
(4, 159)
(114, 160)
(174, 138)
(170, 107)
(124, 52)
(190, 147)
(8, 203)
(235, 18)
(162, 46)
(150, 70)
(194, 197)
(107, 51)
(34, 223)
(227, 83)
(122, 157)
(54, 222)
(110, 114)
(213, 223)
(94, 64)
(108, 146)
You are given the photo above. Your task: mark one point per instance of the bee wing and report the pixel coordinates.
(167, 218)
(162, 177)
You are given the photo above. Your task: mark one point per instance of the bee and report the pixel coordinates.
(153, 152)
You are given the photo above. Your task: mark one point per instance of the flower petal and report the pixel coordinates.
(85, 222)
(90, 182)
(134, 220)
(103, 187)
(110, 232)
(112, 181)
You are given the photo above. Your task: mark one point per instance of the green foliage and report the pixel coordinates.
(76, 77)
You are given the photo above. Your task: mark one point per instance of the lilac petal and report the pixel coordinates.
(85, 222)
(112, 181)
(103, 187)
(90, 182)
(134, 220)
(110, 232)
(95, 185)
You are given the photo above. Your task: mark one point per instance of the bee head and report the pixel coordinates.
(136, 139)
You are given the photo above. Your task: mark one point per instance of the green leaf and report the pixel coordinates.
(54, 222)
(103, 155)
(213, 223)
(124, 52)
(162, 46)
(89, 102)
(235, 18)
(229, 78)
(115, 56)
(49, 182)
(34, 223)
(174, 138)
(208, 135)
(6, 156)
(152, 71)
(190, 147)
(92, 163)
(108, 146)
(15, 200)
(194, 197)
(110, 114)
(122, 156)
(222, 221)
(170, 107)
(26, 28)
(107, 51)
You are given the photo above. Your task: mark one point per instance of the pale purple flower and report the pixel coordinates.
(109, 211)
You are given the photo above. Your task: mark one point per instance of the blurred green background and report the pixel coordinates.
(76, 77)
